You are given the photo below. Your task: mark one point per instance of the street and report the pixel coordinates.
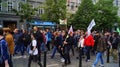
(19, 61)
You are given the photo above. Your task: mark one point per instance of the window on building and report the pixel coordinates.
(41, 11)
(18, 6)
(10, 6)
(116, 2)
(72, 5)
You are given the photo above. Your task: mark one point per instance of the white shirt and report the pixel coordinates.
(34, 43)
(81, 43)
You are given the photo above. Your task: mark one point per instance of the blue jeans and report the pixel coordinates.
(54, 51)
(43, 47)
(87, 48)
(98, 56)
(20, 47)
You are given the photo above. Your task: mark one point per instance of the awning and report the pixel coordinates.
(38, 23)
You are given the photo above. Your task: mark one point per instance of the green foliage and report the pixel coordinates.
(4, 4)
(54, 10)
(103, 12)
(26, 11)
(106, 14)
(84, 14)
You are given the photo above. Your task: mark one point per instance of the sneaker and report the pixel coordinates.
(101, 65)
(93, 66)
(39, 63)
(88, 60)
(24, 56)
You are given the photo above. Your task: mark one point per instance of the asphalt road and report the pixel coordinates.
(22, 61)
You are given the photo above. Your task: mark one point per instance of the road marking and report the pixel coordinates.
(17, 57)
(52, 65)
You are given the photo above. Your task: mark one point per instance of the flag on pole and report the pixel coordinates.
(70, 30)
(91, 25)
(118, 30)
(63, 21)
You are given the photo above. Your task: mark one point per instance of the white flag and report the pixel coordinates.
(91, 25)
(63, 22)
(70, 30)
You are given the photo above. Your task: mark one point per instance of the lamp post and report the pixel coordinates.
(80, 57)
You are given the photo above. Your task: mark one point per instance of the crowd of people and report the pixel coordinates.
(36, 41)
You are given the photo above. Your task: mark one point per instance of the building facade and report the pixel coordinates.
(7, 17)
(117, 3)
(37, 4)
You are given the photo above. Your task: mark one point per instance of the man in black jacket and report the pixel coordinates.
(66, 48)
(39, 38)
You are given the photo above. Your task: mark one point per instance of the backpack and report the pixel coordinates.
(44, 38)
(1, 53)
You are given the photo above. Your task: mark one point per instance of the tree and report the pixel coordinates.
(84, 15)
(54, 10)
(26, 12)
(105, 14)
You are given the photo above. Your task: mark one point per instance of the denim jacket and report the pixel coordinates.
(4, 49)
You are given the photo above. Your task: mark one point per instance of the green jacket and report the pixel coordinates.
(101, 45)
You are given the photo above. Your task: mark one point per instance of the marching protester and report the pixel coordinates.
(81, 44)
(33, 50)
(96, 36)
(4, 51)
(76, 38)
(45, 39)
(49, 39)
(26, 39)
(38, 36)
(89, 43)
(57, 44)
(71, 37)
(16, 37)
(101, 46)
(119, 53)
(10, 41)
(115, 43)
(108, 39)
(66, 48)
(19, 43)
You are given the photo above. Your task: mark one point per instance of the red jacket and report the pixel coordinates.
(89, 41)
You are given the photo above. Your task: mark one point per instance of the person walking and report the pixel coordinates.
(4, 53)
(89, 43)
(38, 36)
(18, 41)
(57, 44)
(115, 43)
(10, 41)
(49, 34)
(81, 44)
(101, 47)
(119, 53)
(66, 48)
(33, 50)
